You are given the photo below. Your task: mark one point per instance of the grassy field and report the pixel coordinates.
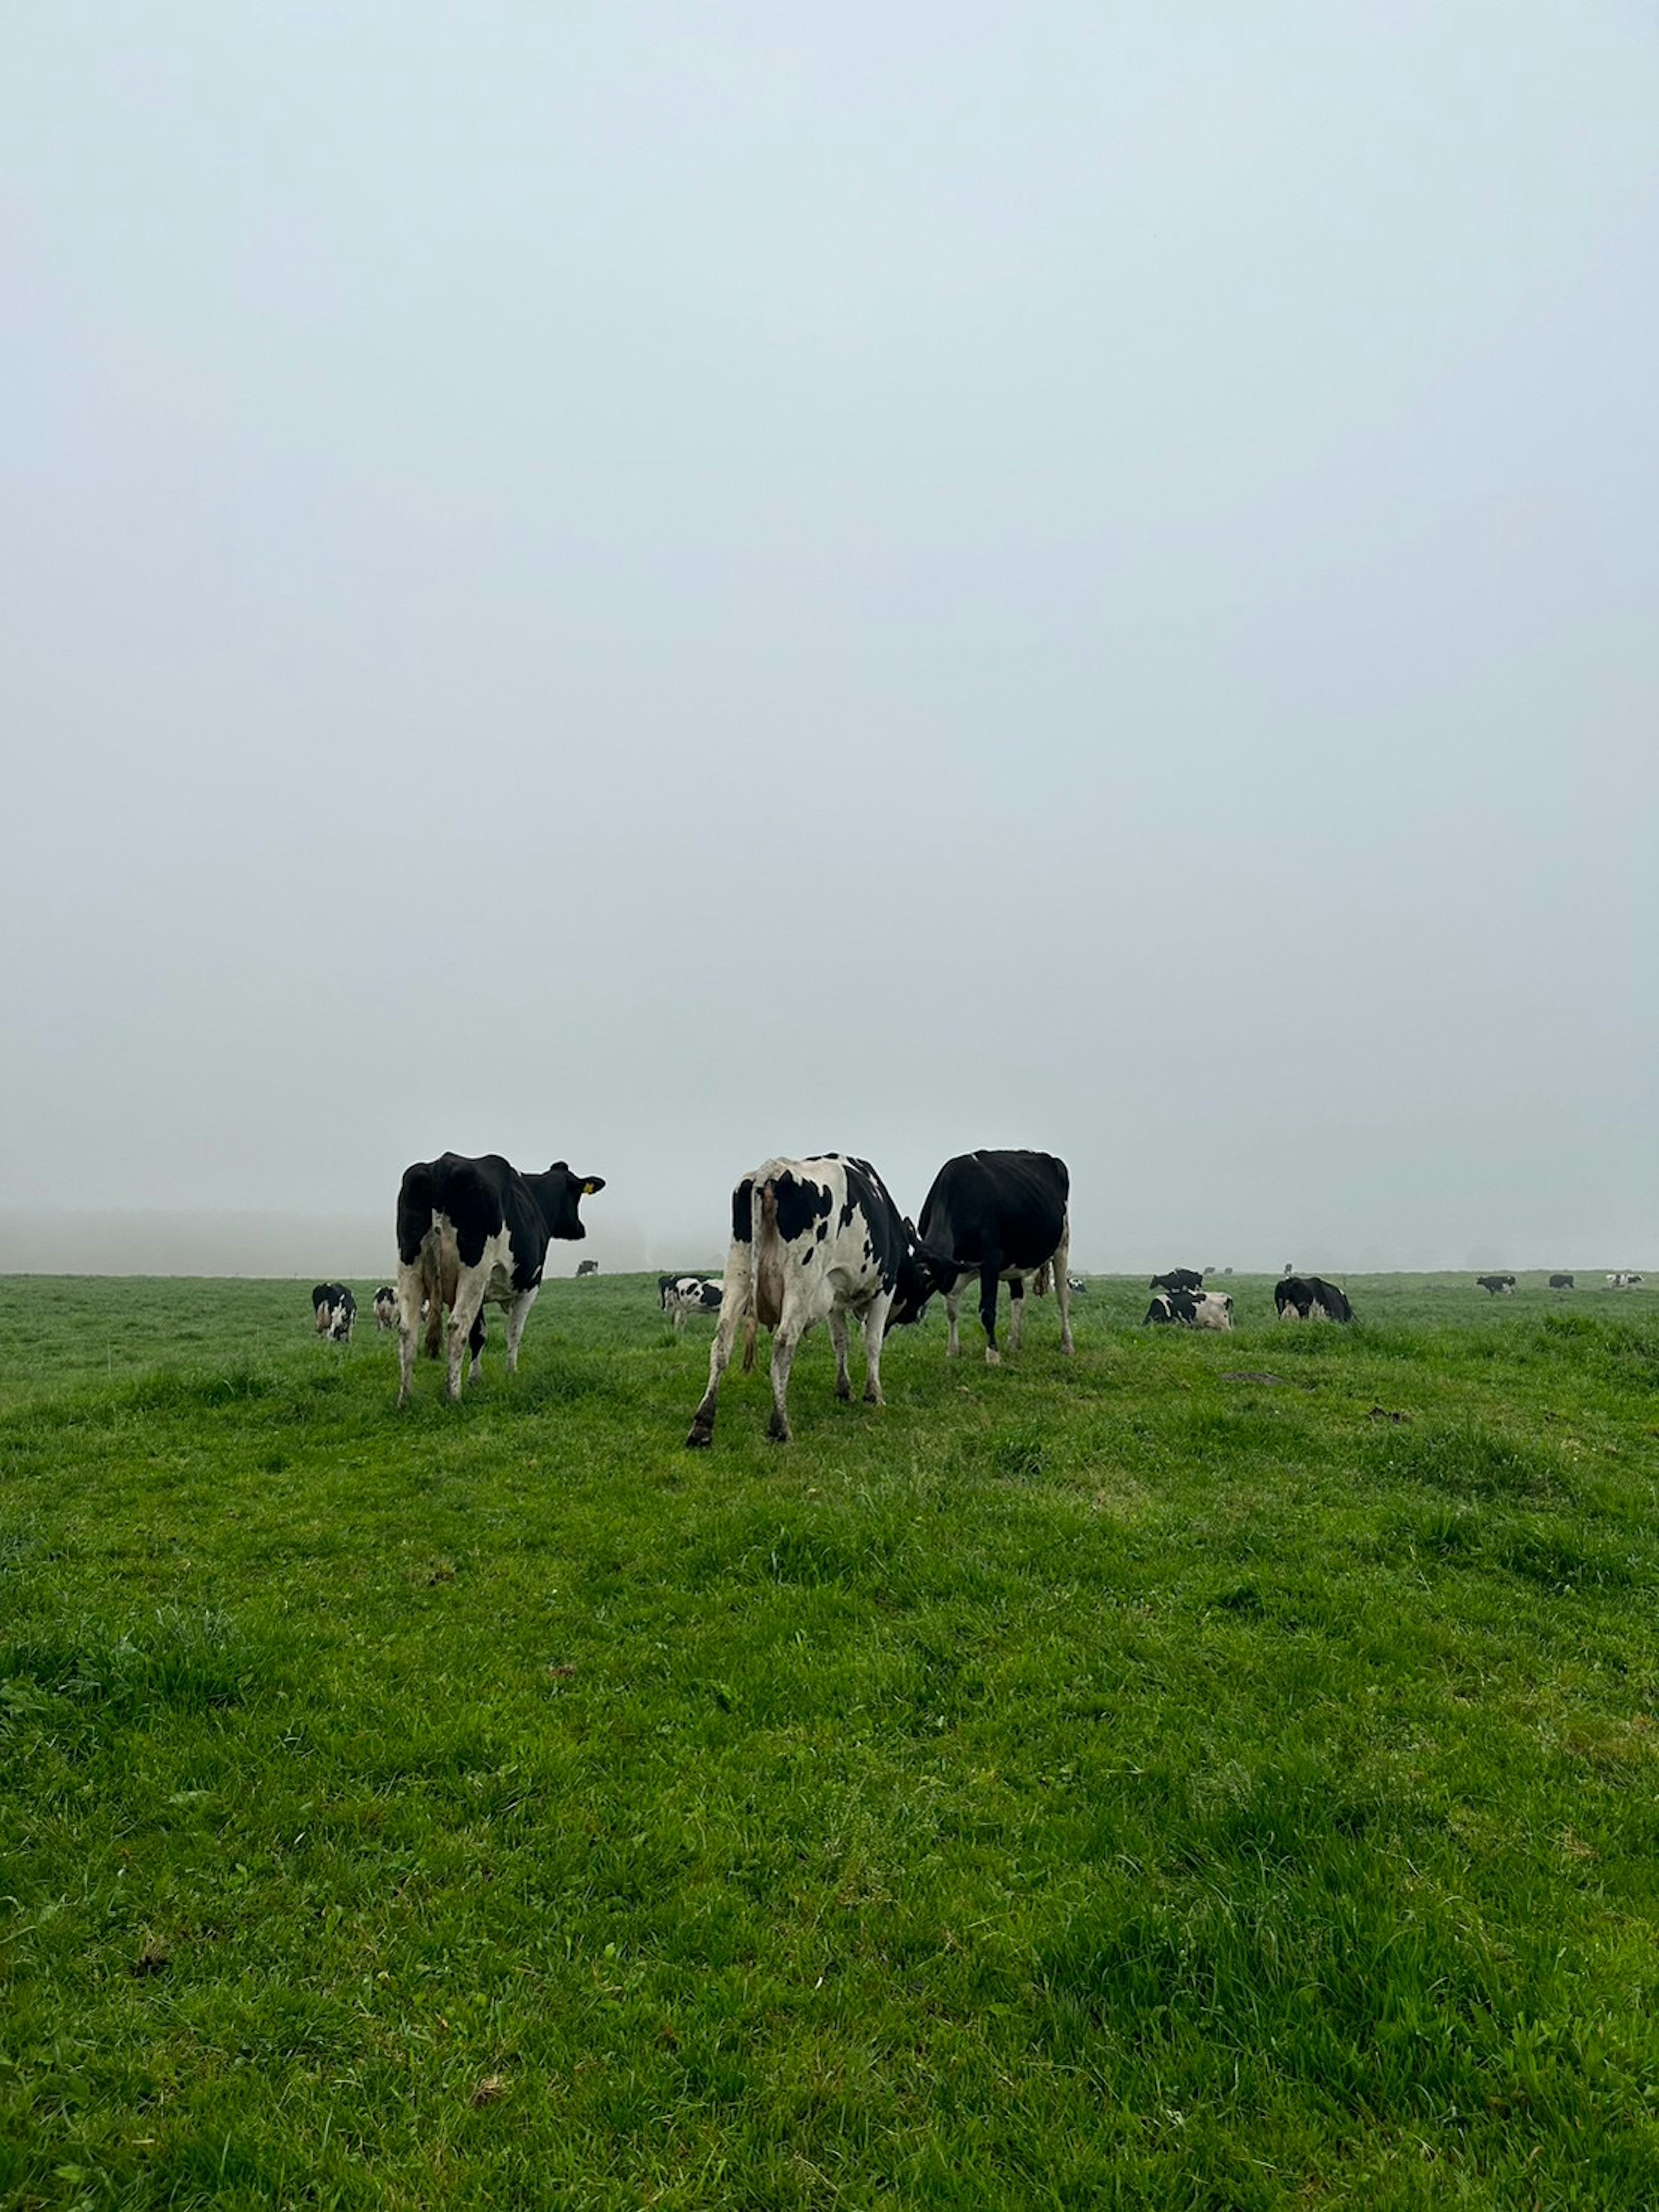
(1214, 1771)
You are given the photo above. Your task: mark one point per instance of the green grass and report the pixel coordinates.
(1213, 1771)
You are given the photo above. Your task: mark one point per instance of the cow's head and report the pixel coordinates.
(558, 1193)
(922, 1272)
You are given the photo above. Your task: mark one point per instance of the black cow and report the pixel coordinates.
(1496, 1286)
(815, 1240)
(334, 1309)
(1001, 1215)
(1178, 1278)
(472, 1230)
(1562, 1283)
(1311, 1297)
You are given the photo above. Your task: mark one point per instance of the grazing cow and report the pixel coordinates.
(586, 1267)
(335, 1310)
(680, 1295)
(1623, 1282)
(472, 1230)
(815, 1240)
(1496, 1286)
(1311, 1297)
(1178, 1278)
(386, 1307)
(1191, 1308)
(1077, 1287)
(1001, 1217)
(1562, 1283)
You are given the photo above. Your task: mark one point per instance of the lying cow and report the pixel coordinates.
(1311, 1297)
(1001, 1217)
(682, 1295)
(1191, 1309)
(1496, 1286)
(334, 1310)
(815, 1240)
(472, 1230)
(386, 1307)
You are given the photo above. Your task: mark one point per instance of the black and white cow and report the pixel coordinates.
(681, 1295)
(1562, 1283)
(1178, 1278)
(586, 1267)
(1623, 1282)
(1311, 1297)
(1001, 1217)
(1191, 1308)
(334, 1309)
(1496, 1286)
(815, 1240)
(1077, 1285)
(386, 1307)
(472, 1230)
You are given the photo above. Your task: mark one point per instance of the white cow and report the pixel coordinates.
(815, 1240)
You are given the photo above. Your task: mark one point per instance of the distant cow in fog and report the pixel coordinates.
(1311, 1297)
(1496, 1286)
(386, 1307)
(1623, 1282)
(335, 1310)
(586, 1267)
(1562, 1283)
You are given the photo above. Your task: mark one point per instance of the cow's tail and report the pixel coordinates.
(768, 1247)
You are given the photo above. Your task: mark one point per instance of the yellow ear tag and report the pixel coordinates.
(588, 1189)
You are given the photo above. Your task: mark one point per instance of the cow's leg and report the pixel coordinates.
(785, 1338)
(838, 1338)
(518, 1314)
(734, 1313)
(953, 1307)
(990, 1274)
(469, 1301)
(435, 1313)
(409, 1325)
(1015, 1312)
(475, 1345)
(1061, 1265)
(875, 1328)
(751, 1331)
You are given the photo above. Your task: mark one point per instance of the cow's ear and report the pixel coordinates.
(591, 1183)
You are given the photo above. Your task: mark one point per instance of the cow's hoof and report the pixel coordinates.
(778, 1429)
(700, 1438)
(874, 1398)
(993, 1359)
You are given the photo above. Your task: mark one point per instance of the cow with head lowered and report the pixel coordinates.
(334, 1309)
(815, 1240)
(1001, 1217)
(1311, 1297)
(471, 1229)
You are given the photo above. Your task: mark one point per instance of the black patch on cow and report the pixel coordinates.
(743, 1207)
(480, 1198)
(801, 1203)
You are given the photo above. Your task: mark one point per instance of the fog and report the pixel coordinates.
(656, 587)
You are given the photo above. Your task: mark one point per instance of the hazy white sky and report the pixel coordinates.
(656, 585)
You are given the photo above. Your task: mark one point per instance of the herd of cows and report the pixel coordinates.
(816, 1239)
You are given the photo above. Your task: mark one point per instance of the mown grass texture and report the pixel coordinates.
(1212, 1771)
